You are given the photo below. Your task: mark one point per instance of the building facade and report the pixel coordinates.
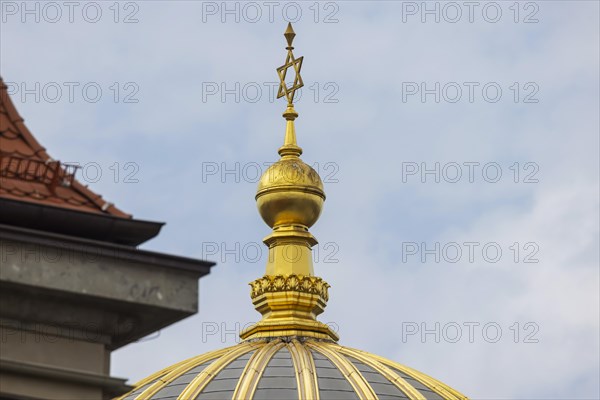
(73, 284)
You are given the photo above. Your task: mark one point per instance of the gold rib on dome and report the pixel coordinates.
(290, 198)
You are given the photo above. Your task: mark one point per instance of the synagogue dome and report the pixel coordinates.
(290, 369)
(289, 354)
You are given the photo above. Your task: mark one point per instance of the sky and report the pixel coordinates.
(458, 143)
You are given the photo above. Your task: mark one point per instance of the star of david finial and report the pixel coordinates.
(290, 62)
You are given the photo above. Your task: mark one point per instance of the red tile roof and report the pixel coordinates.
(29, 174)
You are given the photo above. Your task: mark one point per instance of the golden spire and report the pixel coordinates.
(290, 147)
(290, 198)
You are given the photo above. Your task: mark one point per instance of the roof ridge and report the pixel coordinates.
(17, 120)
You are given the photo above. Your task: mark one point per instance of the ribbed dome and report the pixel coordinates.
(294, 369)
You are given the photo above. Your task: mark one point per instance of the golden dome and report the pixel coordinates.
(289, 369)
(289, 354)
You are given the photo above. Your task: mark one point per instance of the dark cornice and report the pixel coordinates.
(106, 228)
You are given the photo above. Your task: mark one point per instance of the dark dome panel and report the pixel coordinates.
(224, 383)
(179, 384)
(384, 388)
(332, 384)
(278, 381)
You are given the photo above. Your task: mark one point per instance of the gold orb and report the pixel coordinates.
(290, 192)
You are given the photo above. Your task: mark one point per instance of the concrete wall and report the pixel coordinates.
(34, 361)
(65, 303)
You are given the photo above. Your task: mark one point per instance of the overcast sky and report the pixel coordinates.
(458, 143)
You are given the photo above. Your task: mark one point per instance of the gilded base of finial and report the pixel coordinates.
(290, 251)
(289, 305)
